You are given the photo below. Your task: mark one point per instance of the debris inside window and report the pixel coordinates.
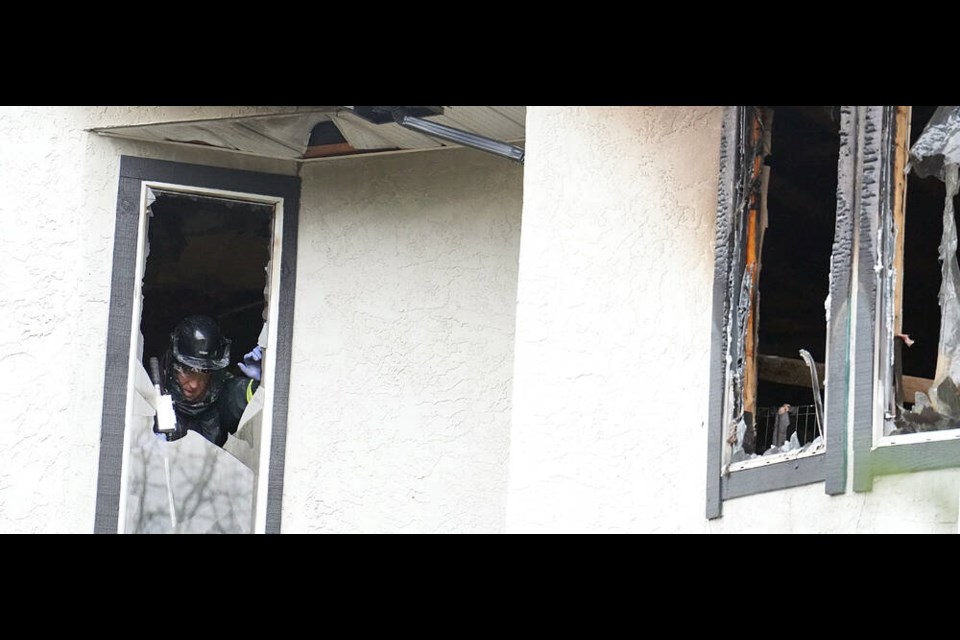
(935, 402)
(784, 218)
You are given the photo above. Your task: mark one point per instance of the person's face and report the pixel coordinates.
(193, 383)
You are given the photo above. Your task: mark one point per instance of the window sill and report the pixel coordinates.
(766, 461)
(779, 473)
(911, 452)
(916, 438)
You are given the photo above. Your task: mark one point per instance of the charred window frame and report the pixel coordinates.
(741, 169)
(880, 385)
(133, 173)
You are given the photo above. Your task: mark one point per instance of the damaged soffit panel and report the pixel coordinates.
(287, 135)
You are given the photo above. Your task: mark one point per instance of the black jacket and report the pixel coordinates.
(211, 419)
(222, 417)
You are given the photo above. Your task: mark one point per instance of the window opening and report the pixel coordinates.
(789, 201)
(208, 255)
(919, 349)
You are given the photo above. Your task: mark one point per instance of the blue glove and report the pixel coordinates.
(251, 363)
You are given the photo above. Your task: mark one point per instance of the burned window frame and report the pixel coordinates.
(736, 160)
(135, 171)
(878, 284)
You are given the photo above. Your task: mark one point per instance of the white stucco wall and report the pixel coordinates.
(58, 206)
(616, 267)
(908, 503)
(612, 342)
(403, 344)
(400, 407)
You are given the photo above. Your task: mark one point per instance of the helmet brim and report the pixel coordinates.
(203, 364)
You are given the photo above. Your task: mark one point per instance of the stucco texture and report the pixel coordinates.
(58, 207)
(416, 336)
(403, 345)
(612, 343)
(923, 502)
(613, 320)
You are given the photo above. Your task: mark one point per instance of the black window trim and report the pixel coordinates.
(133, 172)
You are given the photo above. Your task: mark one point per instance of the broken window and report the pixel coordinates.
(197, 240)
(906, 410)
(789, 206)
(919, 344)
(891, 358)
(206, 255)
(784, 239)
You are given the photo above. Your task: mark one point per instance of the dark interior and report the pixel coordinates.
(795, 266)
(206, 256)
(795, 263)
(921, 262)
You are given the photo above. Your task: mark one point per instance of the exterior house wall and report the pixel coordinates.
(434, 386)
(921, 502)
(59, 186)
(612, 366)
(408, 263)
(403, 344)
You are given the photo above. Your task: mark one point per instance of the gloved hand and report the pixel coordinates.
(251, 363)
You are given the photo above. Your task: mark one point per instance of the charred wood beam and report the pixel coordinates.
(794, 371)
(787, 370)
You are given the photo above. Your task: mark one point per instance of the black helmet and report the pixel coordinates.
(197, 343)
